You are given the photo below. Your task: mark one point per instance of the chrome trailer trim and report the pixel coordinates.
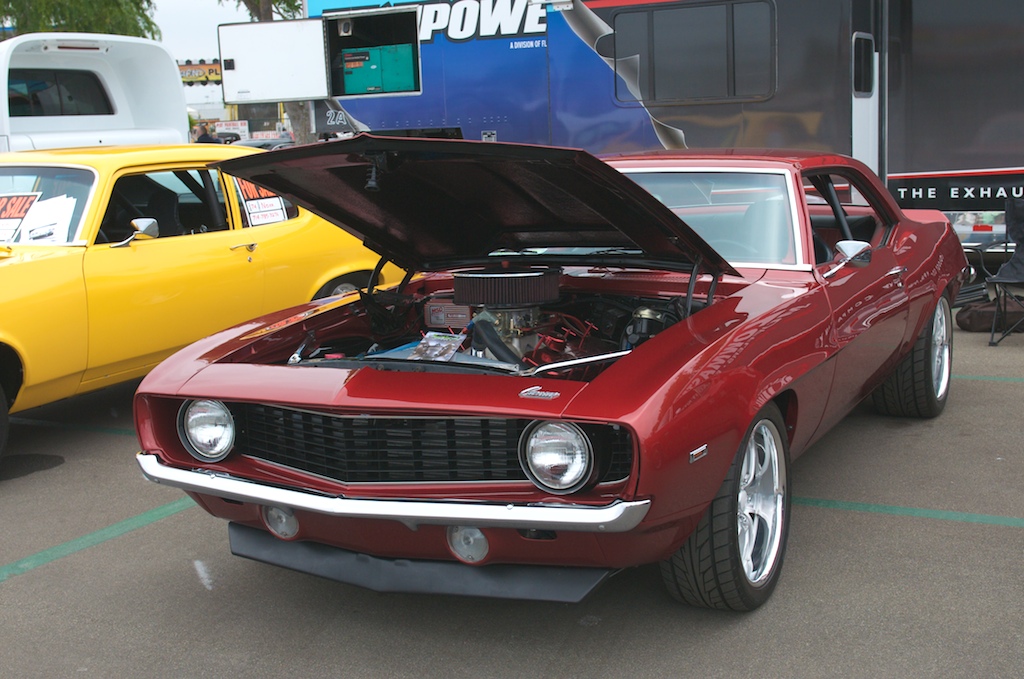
(617, 517)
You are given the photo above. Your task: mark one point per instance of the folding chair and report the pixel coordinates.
(1006, 288)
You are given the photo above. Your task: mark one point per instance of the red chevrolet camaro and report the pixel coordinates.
(591, 365)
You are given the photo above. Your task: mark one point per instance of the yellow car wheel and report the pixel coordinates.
(343, 284)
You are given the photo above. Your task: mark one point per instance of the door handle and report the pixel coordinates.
(897, 273)
(248, 246)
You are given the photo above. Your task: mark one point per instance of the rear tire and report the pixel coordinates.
(733, 559)
(919, 385)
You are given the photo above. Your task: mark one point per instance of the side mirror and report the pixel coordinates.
(146, 228)
(851, 249)
(852, 252)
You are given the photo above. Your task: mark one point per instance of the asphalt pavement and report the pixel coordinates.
(906, 559)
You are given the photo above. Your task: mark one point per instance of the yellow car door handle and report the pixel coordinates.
(248, 246)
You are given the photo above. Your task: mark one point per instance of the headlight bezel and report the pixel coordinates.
(193, 444)
(583, 478)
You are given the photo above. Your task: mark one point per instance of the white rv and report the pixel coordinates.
(85, 89)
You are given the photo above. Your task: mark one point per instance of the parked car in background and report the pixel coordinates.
(267, 144)
(112, 258)
(600, 365)
(983, 235)
(228, 137)
(979, 229)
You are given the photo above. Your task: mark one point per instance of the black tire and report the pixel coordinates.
(343, 284)
(919, 386)
(710, 570)
(5, 422)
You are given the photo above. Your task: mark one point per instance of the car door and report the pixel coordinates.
(301, 252)
(868, 301)
(149, 297)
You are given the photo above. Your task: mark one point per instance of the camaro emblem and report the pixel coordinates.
(537, 392)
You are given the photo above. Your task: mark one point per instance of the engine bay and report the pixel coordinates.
(517, 322)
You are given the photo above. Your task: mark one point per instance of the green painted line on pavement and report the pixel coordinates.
(989, 378)
(915, 512)
(142, 520)
(92, 539)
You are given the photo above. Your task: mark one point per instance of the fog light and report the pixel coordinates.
(468, 544)
(281, 522)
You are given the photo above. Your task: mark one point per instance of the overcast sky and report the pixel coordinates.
(189, 27)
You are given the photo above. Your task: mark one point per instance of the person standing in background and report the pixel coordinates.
(204, 136)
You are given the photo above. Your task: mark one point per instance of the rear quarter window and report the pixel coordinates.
(56, 92)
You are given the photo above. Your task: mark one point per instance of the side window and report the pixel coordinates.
(841, 210)
(708, 52)
(261, 206)
(56, 92)
(183, 202)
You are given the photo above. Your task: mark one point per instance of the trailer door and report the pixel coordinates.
(865, 141)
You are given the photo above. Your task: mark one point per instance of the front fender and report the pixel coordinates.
(691, 393)
(45, 321)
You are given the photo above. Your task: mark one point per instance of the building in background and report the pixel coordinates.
(202, 81)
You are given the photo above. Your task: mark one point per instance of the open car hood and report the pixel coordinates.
(430, 204)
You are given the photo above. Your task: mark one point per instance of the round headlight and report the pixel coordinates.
(207, 430)
(557, 456)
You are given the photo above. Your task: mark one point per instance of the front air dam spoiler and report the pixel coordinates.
(500, 581)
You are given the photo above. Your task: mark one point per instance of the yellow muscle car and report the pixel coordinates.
(112, 258)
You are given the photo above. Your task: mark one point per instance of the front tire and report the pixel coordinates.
(733, 559)
(5, 422)
(919, 385)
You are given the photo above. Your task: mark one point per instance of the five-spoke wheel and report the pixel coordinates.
(733, 558)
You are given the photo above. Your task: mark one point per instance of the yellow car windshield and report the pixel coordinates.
(42, 205)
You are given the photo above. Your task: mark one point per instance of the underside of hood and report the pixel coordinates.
(430, 204)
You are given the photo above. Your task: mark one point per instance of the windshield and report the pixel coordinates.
(745, 216)
(42, 205)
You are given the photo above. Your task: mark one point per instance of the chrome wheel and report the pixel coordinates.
(760, 511)
(733, 558)
(942, 349)
(919, 385)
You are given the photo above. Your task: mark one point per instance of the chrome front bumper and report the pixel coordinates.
(617, 517)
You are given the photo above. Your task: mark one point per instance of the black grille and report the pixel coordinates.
(395, 449)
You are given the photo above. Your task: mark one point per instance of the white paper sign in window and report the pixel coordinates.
(261, 206)
(49, 221)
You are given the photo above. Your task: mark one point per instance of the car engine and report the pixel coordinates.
(506, 320)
